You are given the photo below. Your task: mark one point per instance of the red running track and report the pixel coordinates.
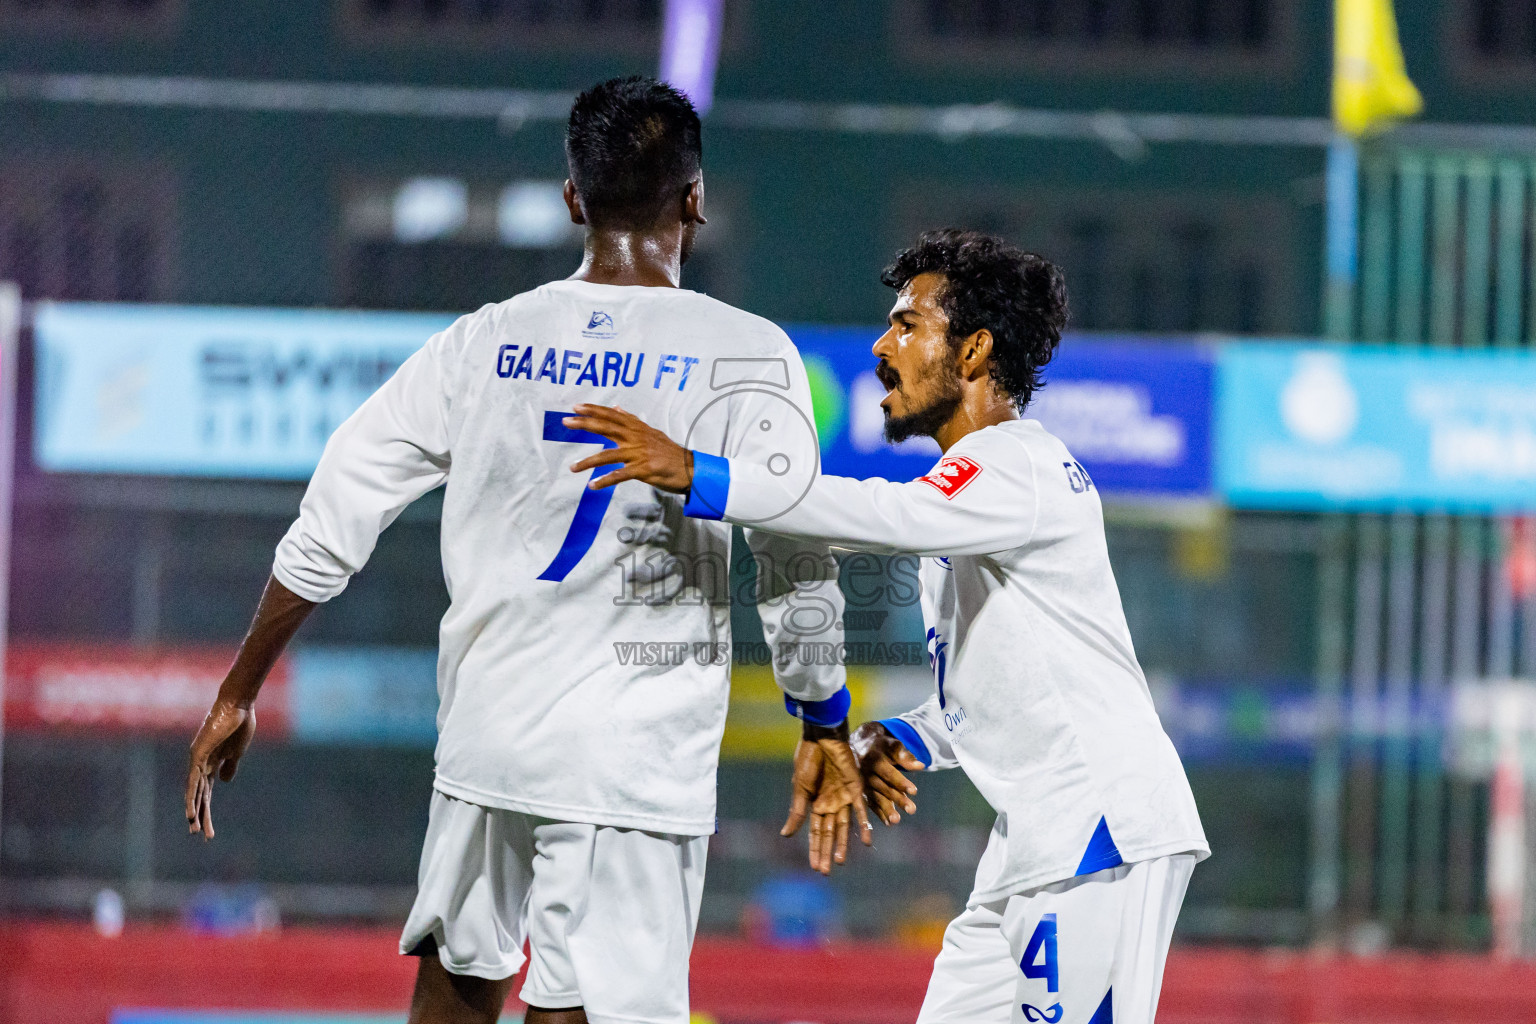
(57, 973)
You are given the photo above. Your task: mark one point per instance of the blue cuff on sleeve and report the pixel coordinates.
(711, 487)
(907, 736)
(832, 711)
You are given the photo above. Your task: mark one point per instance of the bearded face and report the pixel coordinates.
(918, 362)
(923, 400)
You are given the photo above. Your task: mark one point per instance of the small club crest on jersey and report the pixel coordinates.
(952, 475)
(600, 325)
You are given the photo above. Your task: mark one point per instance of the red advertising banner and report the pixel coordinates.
(76, 686)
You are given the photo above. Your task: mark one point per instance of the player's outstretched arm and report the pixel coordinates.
(228, 729)
(826, 785)
(965, 506)
(882, 760)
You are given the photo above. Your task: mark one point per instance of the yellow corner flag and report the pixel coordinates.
(1370, 82)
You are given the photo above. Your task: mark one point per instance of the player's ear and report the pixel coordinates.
(975, 351)
(573, 203)
(693, 202)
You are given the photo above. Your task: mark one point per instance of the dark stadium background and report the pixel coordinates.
(147, 198)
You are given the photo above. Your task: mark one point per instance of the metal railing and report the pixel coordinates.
(1411, 602)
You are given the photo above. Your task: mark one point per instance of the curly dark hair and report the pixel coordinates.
(633, 146)
(1018, 296)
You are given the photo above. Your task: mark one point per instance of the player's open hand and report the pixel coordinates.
(225, 736)
(882, 759)
(826, 783)
(640, 450)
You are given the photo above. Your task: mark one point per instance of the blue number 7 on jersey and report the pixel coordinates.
(590, 509)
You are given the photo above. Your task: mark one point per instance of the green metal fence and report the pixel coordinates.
(1410, 603)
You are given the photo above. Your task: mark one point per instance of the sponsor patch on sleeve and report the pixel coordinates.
(952, 475)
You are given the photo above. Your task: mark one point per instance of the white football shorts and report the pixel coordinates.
(608, 913)
(1086, 950)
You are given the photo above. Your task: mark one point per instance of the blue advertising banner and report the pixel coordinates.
(1137, 414)
(383, 695)
(388, 696)
(255, 393)
(1334, 427)
(206, 391)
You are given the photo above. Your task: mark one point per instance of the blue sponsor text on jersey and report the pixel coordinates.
(604, 369)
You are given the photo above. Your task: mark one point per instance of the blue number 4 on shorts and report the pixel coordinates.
(1040, 963)
(1043, 939)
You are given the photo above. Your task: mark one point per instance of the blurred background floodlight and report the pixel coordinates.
(427, 209)
(690, 48)
(532, 215)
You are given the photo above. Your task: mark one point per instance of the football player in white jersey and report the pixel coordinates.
(1037, 692)
(585, 655)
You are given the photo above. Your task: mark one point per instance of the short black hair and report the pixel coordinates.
(1019, 296)
(633, 145)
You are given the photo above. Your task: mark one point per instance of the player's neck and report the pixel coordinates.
(648, 259)
(980, 408)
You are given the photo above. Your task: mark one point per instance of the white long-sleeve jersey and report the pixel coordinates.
(584, 660)
(1038, 694)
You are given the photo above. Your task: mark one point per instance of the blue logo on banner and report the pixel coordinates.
(1321, 426)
